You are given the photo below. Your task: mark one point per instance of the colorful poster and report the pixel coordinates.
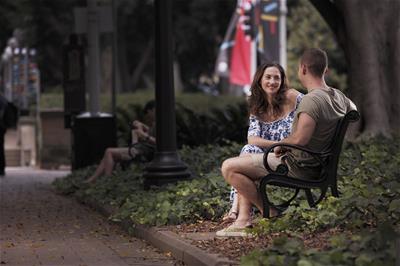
(268, 31)
(252, 38)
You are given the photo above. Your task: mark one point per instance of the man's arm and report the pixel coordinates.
(304, 130)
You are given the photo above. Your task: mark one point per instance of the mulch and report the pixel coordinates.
(236, 247)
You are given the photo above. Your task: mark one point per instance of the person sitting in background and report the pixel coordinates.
(142, 147)
(272, 106)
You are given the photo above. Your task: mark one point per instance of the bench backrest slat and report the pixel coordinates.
(336, 145)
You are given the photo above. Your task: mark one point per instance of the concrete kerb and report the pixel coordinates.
(164, 240)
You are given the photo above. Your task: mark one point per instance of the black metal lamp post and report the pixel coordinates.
(166, 166)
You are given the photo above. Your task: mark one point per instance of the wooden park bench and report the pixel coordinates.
(328, 177)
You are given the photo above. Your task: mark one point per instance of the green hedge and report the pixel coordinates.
(196, 101)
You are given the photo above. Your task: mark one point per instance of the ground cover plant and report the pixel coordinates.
(367, 213)
(358, 228)
(164, 205)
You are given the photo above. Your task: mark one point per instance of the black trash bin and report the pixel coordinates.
(91, 136)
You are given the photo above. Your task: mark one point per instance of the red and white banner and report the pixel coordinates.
(252, 31)
(240, 65)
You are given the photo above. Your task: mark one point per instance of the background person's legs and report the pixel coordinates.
(106, 166)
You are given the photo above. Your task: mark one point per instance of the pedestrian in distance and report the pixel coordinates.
(8, 119)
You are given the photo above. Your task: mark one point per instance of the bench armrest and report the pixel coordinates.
(282, 169)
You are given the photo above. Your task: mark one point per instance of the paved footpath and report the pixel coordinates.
(39, 227)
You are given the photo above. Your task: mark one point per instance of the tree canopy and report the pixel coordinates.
(360, 48)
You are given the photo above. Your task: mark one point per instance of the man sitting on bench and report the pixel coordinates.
(313, 128)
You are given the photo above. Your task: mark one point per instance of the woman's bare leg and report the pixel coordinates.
(106, 166)
(240, 173)
(244, 217)
(234, 211)
(109, 161)
(99, 171)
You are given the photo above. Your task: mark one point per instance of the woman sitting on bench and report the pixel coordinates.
(272, 106)
(143, 142)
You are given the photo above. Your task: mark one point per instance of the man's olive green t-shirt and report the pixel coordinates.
(325, 106)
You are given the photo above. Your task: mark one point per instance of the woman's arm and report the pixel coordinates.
(291, 96)
(140, 126)
(254, 133)
(260, 142)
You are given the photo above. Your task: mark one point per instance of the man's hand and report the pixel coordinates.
(279, 151)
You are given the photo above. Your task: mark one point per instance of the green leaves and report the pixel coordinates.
(369, 206)
(366, 248)
(204, 197)
(186, 201)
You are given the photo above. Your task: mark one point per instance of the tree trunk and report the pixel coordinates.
(106, 70)
(123, 64)
(368, 31)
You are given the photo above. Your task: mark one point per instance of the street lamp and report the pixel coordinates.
(166, 166)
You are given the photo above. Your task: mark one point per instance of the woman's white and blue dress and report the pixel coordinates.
(274, 131)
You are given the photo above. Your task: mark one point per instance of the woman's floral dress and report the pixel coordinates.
(275, 131)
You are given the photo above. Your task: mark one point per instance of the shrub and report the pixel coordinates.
(218, 126)
(368, 206)
(207, 192)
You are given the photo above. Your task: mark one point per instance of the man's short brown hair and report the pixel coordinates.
(316, 61)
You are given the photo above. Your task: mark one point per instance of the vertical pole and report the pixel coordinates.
(12, 81)
(114, 89)
(93, 60)
(8, 73)
(166, 166)
(25, 56)
(282, 34)
(38, 120)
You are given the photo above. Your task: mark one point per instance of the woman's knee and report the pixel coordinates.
(108, 152)
(111, 153)
(228, 167)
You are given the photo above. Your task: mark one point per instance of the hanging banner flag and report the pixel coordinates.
(252, 38)
(268, 31)
(225, 49)
(240, 66)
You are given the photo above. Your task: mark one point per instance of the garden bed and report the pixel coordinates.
(236, 247)
(358, 228)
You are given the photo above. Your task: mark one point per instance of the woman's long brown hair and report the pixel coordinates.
(258, 103)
